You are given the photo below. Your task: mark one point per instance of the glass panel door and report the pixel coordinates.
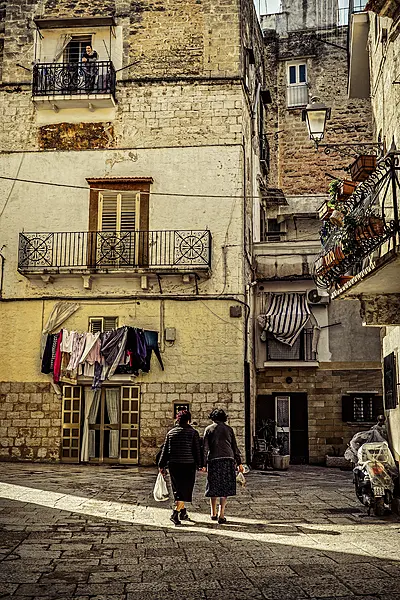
(71, 423)
(129, 424)
(282, 428)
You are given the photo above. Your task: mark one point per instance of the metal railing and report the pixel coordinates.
(297, 95)
(302, 348)
(52, 79)
(370, 219)
(97, 250)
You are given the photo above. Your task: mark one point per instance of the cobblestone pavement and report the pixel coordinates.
(96, 533)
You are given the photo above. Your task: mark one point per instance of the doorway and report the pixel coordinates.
(289, 412)
(101, 426)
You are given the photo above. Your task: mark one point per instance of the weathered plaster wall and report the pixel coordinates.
(37, 208)
(204, 367)
(391, 343)
(385, 68)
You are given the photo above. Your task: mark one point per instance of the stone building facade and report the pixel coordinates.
(168, 116)
(375, 43)
(319, 387)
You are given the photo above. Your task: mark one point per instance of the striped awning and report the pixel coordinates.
(285, 316)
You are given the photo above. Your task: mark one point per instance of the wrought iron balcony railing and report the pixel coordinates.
(108, 250)
(302, 348)
(53, 79)
(369, 219)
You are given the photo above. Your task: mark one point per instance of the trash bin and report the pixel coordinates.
(280, 462)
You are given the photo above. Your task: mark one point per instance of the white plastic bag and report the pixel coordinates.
(160, 491)
(240, 478)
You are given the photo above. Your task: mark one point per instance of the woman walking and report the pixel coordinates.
(181, 453)
(221, 454)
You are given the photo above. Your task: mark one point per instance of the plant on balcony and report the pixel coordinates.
(345, 190)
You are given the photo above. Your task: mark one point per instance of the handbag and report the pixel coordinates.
(240, 478)
(160, 491)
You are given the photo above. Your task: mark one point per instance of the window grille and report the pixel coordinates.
(101, 324)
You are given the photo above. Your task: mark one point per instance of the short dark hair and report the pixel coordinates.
(218, 414)
(183, 417)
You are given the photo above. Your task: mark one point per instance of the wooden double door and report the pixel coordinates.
(100, 426)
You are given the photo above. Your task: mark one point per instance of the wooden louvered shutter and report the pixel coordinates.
(108, 212)
(129, 211)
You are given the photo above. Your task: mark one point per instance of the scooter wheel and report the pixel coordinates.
(379, 507)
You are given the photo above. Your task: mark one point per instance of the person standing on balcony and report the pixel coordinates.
(89, 58)
(182, 455)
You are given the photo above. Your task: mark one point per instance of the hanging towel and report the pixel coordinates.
(285, 317)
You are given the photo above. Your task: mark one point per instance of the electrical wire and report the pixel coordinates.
(151, 193)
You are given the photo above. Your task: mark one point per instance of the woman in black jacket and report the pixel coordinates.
(181, 453)
(221, 455)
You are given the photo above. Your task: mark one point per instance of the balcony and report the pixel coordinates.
(74, 85)
(301, 352)
(297, 95)
(179, 251)
(362, 256)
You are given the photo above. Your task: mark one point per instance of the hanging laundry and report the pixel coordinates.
(57, 359)
(113, 349)
(46, 360)
(77, 349)
(151, 338)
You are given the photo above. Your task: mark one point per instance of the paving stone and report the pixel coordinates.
(290, 546)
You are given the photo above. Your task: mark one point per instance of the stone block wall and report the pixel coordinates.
(30, 416)
(299, 168)
(157, 404)
(324, 389)
(30, 422)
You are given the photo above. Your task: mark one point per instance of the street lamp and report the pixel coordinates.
(316, 114)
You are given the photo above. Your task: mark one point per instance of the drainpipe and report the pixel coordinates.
(2, 272)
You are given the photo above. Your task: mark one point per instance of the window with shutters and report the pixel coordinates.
(101, 324)
(361, 408)
(119, 218)
(390, 381)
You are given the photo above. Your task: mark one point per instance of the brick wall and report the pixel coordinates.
(324, 389)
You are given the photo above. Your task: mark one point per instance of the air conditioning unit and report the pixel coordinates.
(316, 296)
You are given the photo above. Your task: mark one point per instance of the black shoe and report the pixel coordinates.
(183, 515)
(214, 517)
(221, 520)
(175, 518)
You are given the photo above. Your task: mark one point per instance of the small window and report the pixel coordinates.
(273, 230)
(297, 88)
(361, 408)
(101, 324)
(178, 407)
(76, 47)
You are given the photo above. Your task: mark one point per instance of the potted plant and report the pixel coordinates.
(325, 211)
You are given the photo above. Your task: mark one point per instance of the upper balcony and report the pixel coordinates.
(87, 252)
(74, 85)
(361, 248)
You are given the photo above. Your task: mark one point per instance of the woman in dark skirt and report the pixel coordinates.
(221, 455)
(181, 453)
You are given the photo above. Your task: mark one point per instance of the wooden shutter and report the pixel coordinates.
(130, 396)
(119, 211)
(108, 212)
(390, 381)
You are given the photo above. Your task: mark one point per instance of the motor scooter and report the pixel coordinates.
(374, 477)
